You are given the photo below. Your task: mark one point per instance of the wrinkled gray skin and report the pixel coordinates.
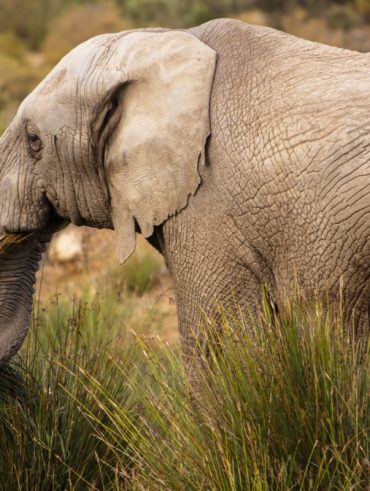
(284, 191)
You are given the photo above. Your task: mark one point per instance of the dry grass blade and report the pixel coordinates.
(8, 241)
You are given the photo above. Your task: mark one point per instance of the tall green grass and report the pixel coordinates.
(284, 405)
(282, 402)
(48, 436)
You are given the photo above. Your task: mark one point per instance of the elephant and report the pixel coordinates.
(240, 152)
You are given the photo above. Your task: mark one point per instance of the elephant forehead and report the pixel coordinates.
(50, 111)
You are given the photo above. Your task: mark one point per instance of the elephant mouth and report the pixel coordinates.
(55, 223)
(52, 223)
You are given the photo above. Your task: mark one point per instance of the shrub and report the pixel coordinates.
(78, 24)
(17, 79)
(343, 17)
(28, 19)
(363, 7)
(12, 46)
(179, 13)
(146, 11)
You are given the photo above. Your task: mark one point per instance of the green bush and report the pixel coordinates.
(343, 17)
(179, 13)
(28, 19)
(17, 79)
(12, 46)
(146, 11)
(78, 24)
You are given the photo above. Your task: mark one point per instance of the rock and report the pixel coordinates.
(67, 246)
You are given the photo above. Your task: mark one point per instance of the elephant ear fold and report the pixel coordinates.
(154, 154)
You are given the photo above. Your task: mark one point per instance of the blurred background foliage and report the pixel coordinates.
(35, 34)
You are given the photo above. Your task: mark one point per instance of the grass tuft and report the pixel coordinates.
(138, 276)
(9, 241)
(284, 405)
(48, 440)
(281, 402)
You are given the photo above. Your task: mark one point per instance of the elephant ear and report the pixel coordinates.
(158, 142)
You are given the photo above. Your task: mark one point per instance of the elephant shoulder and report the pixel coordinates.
(228, 32)
(237, 39)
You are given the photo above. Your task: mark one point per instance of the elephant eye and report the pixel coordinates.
(34, 141)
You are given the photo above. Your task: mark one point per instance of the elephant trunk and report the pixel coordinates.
(17, 277)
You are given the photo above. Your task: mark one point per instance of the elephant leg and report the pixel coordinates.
(201, 309)
(211, 277)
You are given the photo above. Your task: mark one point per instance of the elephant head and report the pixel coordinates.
(113, 137)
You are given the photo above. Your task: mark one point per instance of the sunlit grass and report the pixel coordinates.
(284, 406)
(139, 275)
(281, 402)
(48, 440)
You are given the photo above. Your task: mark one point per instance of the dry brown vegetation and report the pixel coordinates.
(8, 241)
(142, 286)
